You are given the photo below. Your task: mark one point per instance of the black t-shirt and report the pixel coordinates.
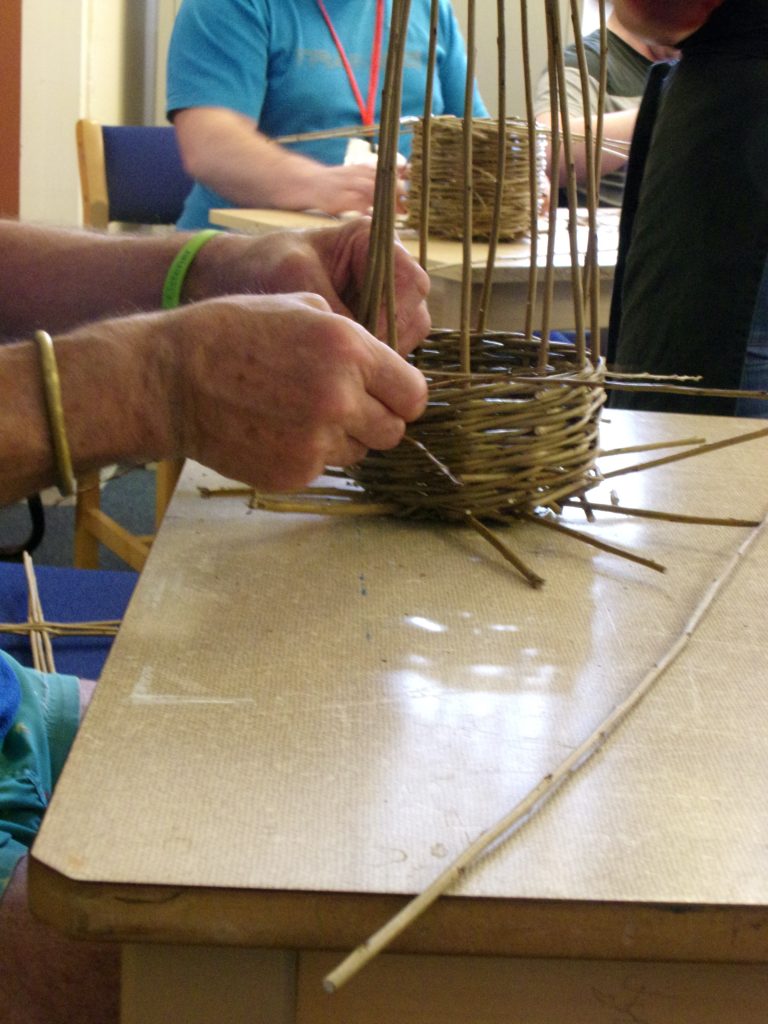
(699, 239)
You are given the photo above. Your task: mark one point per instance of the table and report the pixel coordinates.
(304, 718)
(511, 268)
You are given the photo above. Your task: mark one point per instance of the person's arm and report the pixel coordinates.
(46, 974)
(224, 150)
(667, 22)
(56, 279)
(618, 125)
(266, 389)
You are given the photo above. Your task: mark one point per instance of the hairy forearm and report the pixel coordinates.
(55, 279)
(617, 126)
(117, 386)
(226, 152)
(664, 21)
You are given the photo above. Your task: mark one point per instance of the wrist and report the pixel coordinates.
(118, 381)
(176, 285)
(294, 181)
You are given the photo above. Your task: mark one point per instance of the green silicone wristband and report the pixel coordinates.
(177, 272)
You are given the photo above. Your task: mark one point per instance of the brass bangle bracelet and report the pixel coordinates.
(65, 478)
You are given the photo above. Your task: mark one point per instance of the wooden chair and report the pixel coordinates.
(132, 175)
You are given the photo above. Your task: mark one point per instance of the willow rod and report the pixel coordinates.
(501, 167)
(599, 153)
(466, 276)
(670, 517)
(108, 627)
(554, 175)
(40, 641)
(591, 279)
(426, 136)
(617, 147)
(576, 282)
(505, 551)
(533, 197)
(595, 542)
(679, 456)
(382, 222)
(538, 796)
(391, 175)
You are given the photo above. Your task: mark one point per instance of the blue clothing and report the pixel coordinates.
(275, 61)
(33, 750)
(10, 695)
(754, 376)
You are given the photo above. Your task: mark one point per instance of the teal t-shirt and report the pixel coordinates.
(10, 696)
(39, 713)
(276, 62)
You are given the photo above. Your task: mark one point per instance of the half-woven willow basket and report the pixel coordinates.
(502, 440)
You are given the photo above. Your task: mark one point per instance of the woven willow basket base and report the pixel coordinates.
(503, 440)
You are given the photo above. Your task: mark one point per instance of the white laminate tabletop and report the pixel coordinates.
(312, 706)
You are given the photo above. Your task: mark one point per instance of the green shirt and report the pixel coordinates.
(627, 72)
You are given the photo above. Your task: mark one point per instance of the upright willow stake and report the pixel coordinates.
(533, 196)
(591, 280)
(466, 276)
(565, 120)
(536, 799)
(501, 167)
(379, 272)
(554, 171)
(426, 136)
(599, 153)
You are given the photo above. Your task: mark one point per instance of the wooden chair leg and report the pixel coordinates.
(166, 478)
(87, 501)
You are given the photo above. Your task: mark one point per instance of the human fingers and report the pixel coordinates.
(412, 319)
(374, 426)
(347, 188)
(344, 251)
(276, 387)
(398, 385)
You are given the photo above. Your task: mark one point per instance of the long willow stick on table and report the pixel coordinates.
(548, 786)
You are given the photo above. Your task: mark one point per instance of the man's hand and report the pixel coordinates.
(272, 389)
(330, 189)
(331, 262)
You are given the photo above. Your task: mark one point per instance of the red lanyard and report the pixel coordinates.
(368, 109)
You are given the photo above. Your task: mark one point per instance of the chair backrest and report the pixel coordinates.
(130, 174)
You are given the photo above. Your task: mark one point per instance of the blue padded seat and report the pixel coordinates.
(66, 595)
(146, 181)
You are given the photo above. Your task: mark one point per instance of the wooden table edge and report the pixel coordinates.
(340, 921)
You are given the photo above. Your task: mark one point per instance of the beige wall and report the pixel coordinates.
(85, 58)
(80, 58)
(486, 46)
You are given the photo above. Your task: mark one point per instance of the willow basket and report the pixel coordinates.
(446, 178)
(505, 439)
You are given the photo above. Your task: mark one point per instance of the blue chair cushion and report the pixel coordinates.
(146, 181)
(66, 595)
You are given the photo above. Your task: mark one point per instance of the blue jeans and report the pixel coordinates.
(754, 376)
